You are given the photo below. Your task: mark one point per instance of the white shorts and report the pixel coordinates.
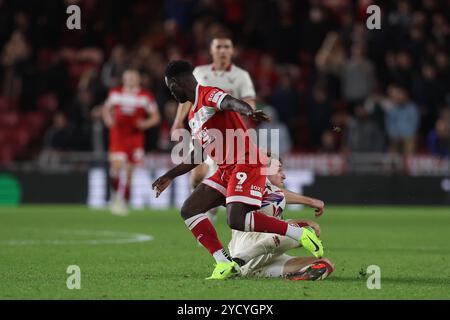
(267, 265)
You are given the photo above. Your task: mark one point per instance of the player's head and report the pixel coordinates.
(278, 178)
(222, 49)
(131, 78)
(179, 79)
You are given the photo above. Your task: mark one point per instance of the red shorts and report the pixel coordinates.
(131, 151)
(240, 183)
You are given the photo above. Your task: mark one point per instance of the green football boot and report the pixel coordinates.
(225, 270)
(311, 242)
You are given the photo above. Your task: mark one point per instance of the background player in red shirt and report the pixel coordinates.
(128, 112)
(238, 184)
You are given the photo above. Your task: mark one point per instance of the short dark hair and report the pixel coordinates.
(176, 68)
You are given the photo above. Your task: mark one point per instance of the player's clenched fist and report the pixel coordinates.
(161, 184)
(319, 206)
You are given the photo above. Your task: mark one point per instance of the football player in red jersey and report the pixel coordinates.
(128, 112)
(238, 183)
(222, 73)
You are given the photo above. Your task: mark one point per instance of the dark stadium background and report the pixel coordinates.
(327, 79)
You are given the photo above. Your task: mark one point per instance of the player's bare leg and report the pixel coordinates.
(197, 176)
(119, 185)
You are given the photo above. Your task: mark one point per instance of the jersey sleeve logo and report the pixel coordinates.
(215, 96)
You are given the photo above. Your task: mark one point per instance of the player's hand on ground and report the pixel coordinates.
(259, 116)
(319, 207)
(161, 184)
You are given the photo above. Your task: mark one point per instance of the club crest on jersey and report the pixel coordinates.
(204, 137)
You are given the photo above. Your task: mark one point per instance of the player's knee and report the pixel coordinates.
(236, 222)
(115, 167)
(186, 211)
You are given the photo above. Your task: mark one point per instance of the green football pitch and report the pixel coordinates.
(151, 255)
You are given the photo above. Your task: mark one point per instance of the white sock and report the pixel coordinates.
(294, 232)
(221, 256)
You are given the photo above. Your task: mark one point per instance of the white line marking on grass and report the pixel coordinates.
(117, 238)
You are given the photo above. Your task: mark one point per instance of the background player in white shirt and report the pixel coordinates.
(264, 254)
(221, 73)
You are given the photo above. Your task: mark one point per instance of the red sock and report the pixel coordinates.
(204, 232)
(114, 183)
(259, 222)
(126, 193)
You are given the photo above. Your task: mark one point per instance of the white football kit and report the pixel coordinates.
(273, 259)
(234, 81)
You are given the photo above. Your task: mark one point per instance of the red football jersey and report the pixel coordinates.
(129, 108)
(222, 134)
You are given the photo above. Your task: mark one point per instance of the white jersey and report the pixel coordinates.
(234, 81)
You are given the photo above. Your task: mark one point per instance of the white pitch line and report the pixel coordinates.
(121, 238)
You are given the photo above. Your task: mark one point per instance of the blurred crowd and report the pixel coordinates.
(331, 84)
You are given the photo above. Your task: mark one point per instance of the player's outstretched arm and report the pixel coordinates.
(242, 107)
(165, 180)
(295, 198)
(182, 112)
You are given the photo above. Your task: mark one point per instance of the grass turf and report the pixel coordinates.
(409, 244)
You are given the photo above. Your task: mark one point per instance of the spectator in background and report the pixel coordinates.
(285, 100)
(112, 70)
(438, 140)
(328, 143)
(14, 59)
(402, 120)
(58, 136)
(329, 61)
(402, 70)
(357, 75)
(285, 143)
(266, 77)
(429, 93)
(320, 110)
(362, 134)
(79, 113)
(443, 67)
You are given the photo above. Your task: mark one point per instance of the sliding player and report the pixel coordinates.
(238, 183)
(233, 80)
(128, 112)
(263, 254)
